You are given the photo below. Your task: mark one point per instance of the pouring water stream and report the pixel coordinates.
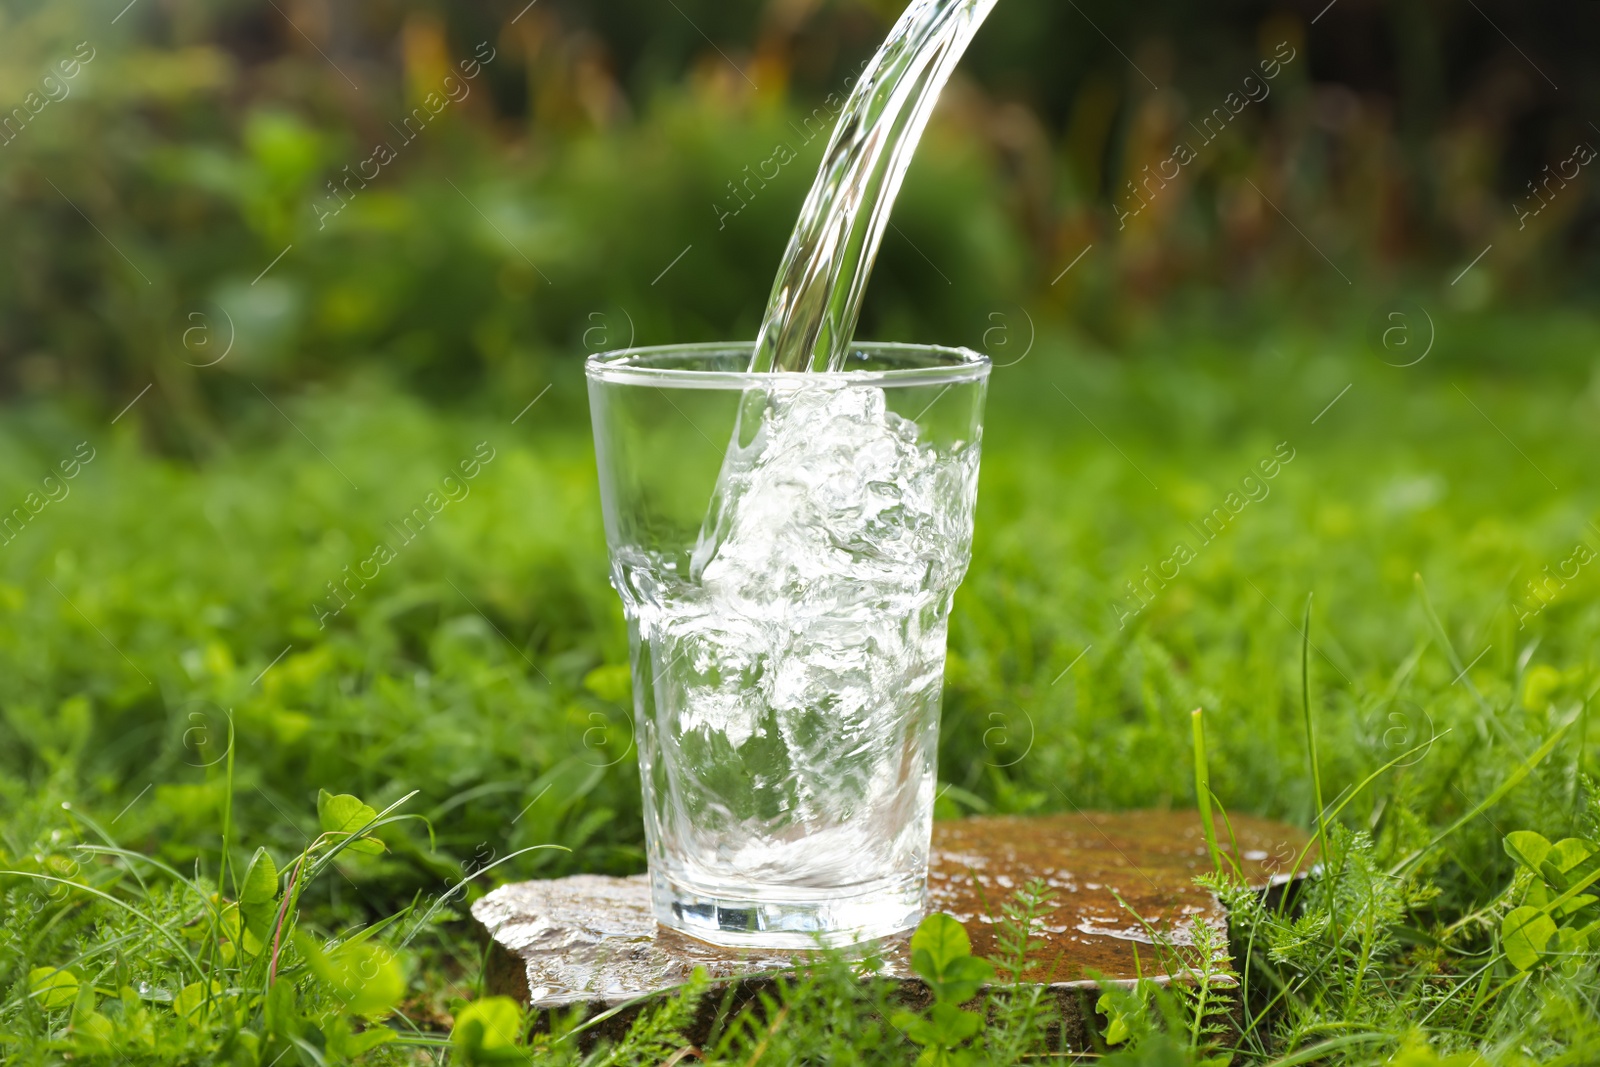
(816, 298)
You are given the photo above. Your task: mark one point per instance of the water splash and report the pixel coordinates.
(816, 298)
(796, 681)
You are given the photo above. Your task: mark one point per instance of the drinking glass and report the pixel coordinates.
(787, 546)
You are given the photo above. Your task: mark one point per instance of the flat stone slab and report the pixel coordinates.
(593, 939)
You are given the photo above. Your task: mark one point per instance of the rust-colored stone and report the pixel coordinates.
(1147, 858)
(593, 939)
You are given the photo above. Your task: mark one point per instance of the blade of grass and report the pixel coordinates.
(1441, 635)
(381, 819)
(176, 875)
(1368, 780)
(1322, 1048)
(1512, 781)
(1316, 763)
(286, 911)
(1202, 786)
(78, 816)
(1311, 733)
(225, 866)
(1443, 638)
(124, 905)
(1577, 756)
(225, 869)
(1234, 854)
(448, 893)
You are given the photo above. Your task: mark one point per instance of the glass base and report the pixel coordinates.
(790, 917)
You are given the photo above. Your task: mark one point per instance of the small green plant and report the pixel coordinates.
(1016, 1003)
(488, 1033)
(941, 953)
(237, 973)
(1559, 916)
(1127, 1010)
(1145, 1028)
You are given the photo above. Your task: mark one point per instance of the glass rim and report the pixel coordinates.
(620, 367)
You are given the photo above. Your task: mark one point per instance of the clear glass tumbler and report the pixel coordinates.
(786, 547)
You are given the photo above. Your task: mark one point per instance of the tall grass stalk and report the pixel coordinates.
(1202, 786)
(1311, 732)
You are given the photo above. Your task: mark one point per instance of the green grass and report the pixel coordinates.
(143, 616)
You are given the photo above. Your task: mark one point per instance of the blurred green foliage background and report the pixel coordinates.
(280, 265)
(367, 235)
(176, 198)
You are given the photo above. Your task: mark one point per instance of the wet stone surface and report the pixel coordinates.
(592, 939)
